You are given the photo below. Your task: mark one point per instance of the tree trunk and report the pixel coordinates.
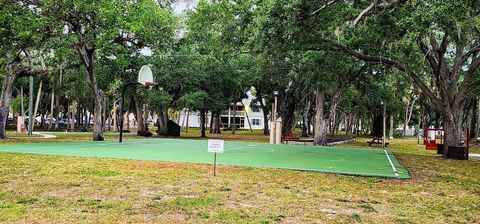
(211, 122)
(37, 101)
(265, 118)
(52, 103)
(234, 117)
(473, 120)
(6, 97)
(86, 56)
(127, 117)
(288, 114)
(453, 127)
(333, 110)
(306, 110)
(87, 122)
(320, 136)
(70, 118)
(391, 127)
(309, 123)
(218, 122)
(408, 114)
(348, 124)
(22, 108)
(139, 113)
(104, 113)
(115, 126)
(178, 117)
(202, 123)
(478, 119)
(246, 115)
(188, 117)
(162, 122)
(79, 116)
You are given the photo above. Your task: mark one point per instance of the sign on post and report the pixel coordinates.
(215, 146)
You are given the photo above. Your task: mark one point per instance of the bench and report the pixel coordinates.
(377, 140)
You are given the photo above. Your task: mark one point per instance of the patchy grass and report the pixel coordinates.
(49, 189)
(15, 137)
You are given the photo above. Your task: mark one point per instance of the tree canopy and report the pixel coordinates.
(333, 62)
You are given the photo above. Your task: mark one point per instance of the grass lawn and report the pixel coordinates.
(46, 189)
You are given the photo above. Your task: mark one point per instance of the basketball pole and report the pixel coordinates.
(145, 78)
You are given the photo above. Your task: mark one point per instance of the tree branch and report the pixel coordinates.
(322, 8)
(396, 64)
(434, 64)
(364, 13)
(444, 44)
(469, 53)
(469, 81)
(380, 7)
(318, 10)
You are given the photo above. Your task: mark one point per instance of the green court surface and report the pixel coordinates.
(363, 162)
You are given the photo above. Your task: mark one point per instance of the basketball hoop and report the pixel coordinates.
(145, 76)
(150, 85)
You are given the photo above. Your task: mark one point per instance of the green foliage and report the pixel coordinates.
(16, 104)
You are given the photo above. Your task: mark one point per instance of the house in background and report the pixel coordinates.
(248, 111)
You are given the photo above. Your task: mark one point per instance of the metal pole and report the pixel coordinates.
(215, 164)
(30, 108)
(122, 100)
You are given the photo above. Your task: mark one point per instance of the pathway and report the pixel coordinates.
(44, 135)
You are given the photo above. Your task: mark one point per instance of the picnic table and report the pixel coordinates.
(377, 140)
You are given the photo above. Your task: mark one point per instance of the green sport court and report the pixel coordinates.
(362, 162)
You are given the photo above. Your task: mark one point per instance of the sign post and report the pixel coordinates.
(215, 146)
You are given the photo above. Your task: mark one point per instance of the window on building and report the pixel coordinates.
(256, 109)
(255, 121)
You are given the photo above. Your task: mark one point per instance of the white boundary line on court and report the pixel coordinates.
(391, 164)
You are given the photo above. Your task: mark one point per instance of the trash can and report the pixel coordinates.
(457, 152)
(440, 149)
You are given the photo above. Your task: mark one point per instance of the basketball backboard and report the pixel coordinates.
(145, 76)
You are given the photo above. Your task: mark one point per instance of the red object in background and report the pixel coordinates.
(431, 144)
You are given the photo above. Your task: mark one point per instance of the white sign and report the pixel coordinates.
(215, 145)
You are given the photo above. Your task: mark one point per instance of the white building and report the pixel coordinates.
(246, 115)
